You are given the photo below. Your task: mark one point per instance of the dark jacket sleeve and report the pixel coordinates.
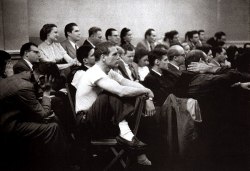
(30, 103)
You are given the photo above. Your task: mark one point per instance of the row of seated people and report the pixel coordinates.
(116, 102)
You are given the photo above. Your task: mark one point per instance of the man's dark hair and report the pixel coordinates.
(200, 31)
(194, 56)
(170, 35)
(128, 47)
(26, 47)
(46, 30)
(215, 50)
(156, 54)
(191, 35)
(94, 30)
(102, 49)
(148, 32)
(69, 28)
(161, 46)
(109, 32)
(124, 32)
(83, 52)
(140, 53)
(218, 35)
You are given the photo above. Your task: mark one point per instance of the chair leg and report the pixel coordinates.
(114, 160)
(121, 160)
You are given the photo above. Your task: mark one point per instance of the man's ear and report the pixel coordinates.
(84, 61)
(103, 58)
(157, 62)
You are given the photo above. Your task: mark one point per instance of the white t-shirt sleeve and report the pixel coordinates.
(96, 74)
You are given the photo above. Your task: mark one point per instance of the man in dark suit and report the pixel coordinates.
(158, 60)
(26, 122)
(30, 55)
(112, 36)
(95, 37)
(126, 65)
(219, 39)
(73, 34)
(149, 42)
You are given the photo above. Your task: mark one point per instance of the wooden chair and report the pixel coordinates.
(110, 143)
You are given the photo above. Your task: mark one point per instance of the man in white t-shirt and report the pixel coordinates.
(106, 97)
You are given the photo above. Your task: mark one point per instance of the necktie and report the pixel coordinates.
(151, 47)
(132, 71)
(75, 47)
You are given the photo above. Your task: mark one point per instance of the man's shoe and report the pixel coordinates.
(135, 144)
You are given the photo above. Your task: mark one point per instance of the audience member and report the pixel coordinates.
(52, 51)
(158, 61)
(30, 54)
(219, 57)
(95, 37)
(171, 38)
(113, 105)
(219, 39)
(85, 55)
(193, 40)
(149, 41)
(126, 36)
(176, 57)
(112, 36)
(141, 59)
(73, 35)
(202, 36)
(127, 67)
(25, 122)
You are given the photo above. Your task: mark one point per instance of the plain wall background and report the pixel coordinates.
(230, 16)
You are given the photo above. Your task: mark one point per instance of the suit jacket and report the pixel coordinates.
(145, 45)
(134, 71)
(158, 86)
(21, 66)
(71, 51)
(86, 43)
(18, 101)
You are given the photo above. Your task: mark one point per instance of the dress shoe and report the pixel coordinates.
(135, 144)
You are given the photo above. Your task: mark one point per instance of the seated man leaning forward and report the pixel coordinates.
(106, 97)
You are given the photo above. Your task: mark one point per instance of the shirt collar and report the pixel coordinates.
(29, 63)
(156, 72)
(175, 66)
(73, 44)
(91, 43)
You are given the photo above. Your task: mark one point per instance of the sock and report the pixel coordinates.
(125, 131)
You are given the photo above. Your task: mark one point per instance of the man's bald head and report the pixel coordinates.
(175, 50)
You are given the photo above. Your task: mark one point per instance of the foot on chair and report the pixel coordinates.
(134, 144)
